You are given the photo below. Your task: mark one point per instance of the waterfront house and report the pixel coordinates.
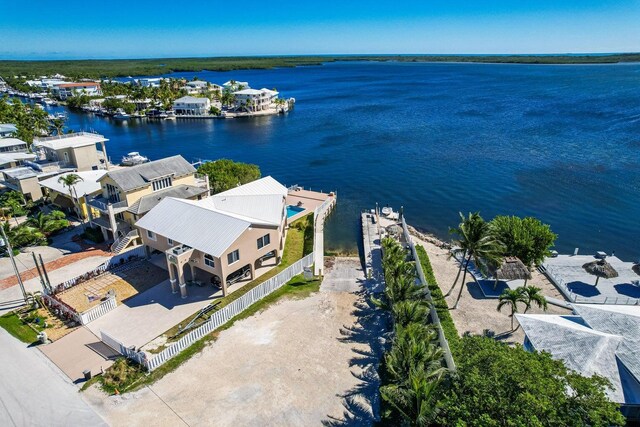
(128, 193)
(199, 86)
(192, 106)
(88, 186)
(596, 339)
(233, 85)
(68, 89)
(74, 150)
(255, 99)
(13, 145)
(151, 82)
(226, 239)
(7, 129)
(13, 159)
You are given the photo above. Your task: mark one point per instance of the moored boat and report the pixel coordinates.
(134, 158)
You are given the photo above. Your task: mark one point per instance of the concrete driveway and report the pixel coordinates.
(149, 314)
(78, 351)
(35, 393)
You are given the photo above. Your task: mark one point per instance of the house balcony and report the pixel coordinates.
(122, 227)
(102, 204)
(180, 250)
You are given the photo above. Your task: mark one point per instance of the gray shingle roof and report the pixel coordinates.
(141, 175)
(148, 202)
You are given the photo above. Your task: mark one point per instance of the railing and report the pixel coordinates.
(97, 136)
(131, 255)
(99, 310)
(180, 249)
(444, 344)
(550, 272)
(225, 314)
(104, 206)
(319, 215)
(130, 235)
(64, 309)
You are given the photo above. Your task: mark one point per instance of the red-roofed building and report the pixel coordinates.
(66, 90)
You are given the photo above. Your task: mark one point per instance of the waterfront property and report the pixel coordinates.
(7, 129)
(68, 89)
(75, 150)
(230, 237)
(253, 100)
(567, 272)
(200, 87)
(128, 193)
(595, 339)
(192, 106)
(12, 145)
(67, 199)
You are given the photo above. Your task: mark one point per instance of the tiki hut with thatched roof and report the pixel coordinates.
(600, 268)
(512, 269)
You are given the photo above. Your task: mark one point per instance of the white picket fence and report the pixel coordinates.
(128, 352)
(107, 265)
(99, 310)
(444, 344)
(225, 314)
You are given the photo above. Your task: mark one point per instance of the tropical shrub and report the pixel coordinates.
(225, 174)
(526, 238)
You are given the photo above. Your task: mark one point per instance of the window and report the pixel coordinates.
(208, 260)
(264, 241)
(151, 235)
(113, 194)
(169, 241)
(233, 256)
(161, 183)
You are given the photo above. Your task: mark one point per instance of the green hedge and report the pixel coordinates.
(439, 302)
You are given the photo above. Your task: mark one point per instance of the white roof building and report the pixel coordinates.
(88, 185)
(72, 140)
(7, 129)
(597, 339)
(212, 224)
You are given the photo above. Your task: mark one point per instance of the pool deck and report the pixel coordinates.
(310, 201)
(566, 272)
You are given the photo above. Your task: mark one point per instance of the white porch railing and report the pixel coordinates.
(225, 314)
(99, 310)
(319, 215)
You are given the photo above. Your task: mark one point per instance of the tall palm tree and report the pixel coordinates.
(478, 241)
(70, 181)
(511, 298)
(416, 401)
(532, 295)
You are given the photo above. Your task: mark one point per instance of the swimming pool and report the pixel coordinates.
(293, 210)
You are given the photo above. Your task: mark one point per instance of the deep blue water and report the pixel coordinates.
(561, 143)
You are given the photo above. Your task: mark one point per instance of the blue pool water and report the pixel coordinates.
(293, 210)
(561, 143)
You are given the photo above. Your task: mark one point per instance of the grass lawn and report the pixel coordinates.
(299, 243)
(126, 375)
(18, 328)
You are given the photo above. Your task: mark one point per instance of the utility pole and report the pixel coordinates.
(13, 261)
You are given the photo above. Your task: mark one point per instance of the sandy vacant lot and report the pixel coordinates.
(476, 313)
(300, 362)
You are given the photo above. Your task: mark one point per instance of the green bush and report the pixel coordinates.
(448, 327)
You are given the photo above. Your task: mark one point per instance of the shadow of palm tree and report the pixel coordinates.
(361, 402)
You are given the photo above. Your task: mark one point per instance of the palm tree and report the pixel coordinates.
(411, 311)
(530, 295)
(477, 240)
(511, 298)
(70, 182)
(416, 402)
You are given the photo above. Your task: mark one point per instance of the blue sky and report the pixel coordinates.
(37, 29)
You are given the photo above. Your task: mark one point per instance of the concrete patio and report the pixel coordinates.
(579, 286)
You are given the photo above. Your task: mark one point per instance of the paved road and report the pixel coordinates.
(34, 393)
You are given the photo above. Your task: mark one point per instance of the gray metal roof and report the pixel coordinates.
(188, 223)
(600, 339)
(259, 187)
(139, 176)
(265, 209)
(148, 202)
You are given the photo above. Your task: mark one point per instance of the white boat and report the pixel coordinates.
(171, 115)
(121, 115)
(134, 158)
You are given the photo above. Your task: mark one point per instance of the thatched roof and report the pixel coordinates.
(600, 268)
(512, 269)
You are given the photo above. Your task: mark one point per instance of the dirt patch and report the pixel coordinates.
(476, 313)
(126, 281)
(300, 362)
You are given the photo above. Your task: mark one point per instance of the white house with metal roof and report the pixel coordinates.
(192, 105)
(7, 129)
(255, 99)
(596, 339)
(230, 237)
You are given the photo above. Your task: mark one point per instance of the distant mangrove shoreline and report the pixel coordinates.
(109, 68)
